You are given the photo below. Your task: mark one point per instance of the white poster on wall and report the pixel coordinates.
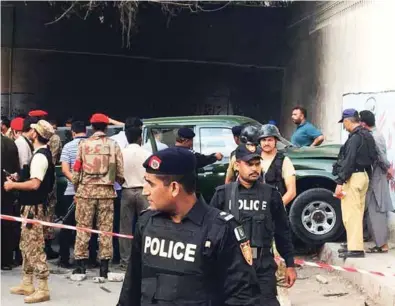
(382, 104)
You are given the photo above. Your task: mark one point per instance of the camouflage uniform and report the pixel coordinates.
(98, 165)
(55, 145)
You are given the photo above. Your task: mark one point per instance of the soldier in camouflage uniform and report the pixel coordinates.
(55, 146)
(98, 165)
(33, 194)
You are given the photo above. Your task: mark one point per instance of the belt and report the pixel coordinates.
(259, 252)
(132, 187)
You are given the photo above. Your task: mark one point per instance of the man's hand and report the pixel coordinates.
(290, 276)
(219, 156)
(9, 184)
(390, 173)
(339, 191)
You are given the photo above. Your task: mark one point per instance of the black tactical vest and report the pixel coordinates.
(40, 196)
(274, 175)
(178, 261)
(255, 216)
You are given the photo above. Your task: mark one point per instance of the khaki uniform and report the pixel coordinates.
(98, 165)
(353, 207)
(55, 146)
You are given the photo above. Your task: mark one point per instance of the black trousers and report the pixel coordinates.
(67, 237)
(266, 268)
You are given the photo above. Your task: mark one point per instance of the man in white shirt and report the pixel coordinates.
(25, 147)
(122, 141)
(133, 201)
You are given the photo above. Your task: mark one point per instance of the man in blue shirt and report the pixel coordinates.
(306, 134)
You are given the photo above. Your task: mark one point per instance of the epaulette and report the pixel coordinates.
(224, 216)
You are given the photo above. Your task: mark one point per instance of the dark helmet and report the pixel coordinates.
(249, 134)
(269, 130)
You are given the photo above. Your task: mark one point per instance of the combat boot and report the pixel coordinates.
(104, 268)
(81, 266)
(26, 287)
(40, 295)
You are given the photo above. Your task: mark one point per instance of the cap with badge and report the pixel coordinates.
(44, 128)
(186, 133)
(17, 124)
(99, 118)
(349, 113)
(38, 113)
(247, 152)
(171, 161)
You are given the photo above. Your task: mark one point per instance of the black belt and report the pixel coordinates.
(360, 169)
(132, 188)
(260, 252)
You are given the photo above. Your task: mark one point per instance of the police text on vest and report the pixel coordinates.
(170, 249)
(252, 205)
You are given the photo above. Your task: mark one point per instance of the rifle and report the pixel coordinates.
(70, 211)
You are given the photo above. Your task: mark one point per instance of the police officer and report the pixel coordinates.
(184, 251)
(98, 165)
(231, 174)
(352, 169)
(185, 139)
(33, 197)
(260, 210)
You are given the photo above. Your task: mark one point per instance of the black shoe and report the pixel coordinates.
(51, 254)
(81, 268)
(104, 268)
(6, 267)
(343, 245)
(342, 250)
(65, 264)
(352, 254)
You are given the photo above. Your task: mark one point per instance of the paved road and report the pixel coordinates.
(306, 292)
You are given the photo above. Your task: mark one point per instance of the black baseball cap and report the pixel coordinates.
(247, 152)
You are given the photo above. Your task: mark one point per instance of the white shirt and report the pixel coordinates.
(39, 165)
(159, 145)
(24, 151)
(133, 158)
(122, 141)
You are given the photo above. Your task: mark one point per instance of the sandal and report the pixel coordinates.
(376, 249)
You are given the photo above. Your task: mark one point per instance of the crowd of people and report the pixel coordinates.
(223, 252)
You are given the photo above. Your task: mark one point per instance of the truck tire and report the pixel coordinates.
(316, 217)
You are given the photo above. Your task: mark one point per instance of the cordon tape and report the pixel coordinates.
(88, 230)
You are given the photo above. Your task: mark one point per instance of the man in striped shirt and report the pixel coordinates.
(67, 159)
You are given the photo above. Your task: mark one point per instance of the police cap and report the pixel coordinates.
(99, 118)
(171, 161)
(349, 113)
(186, 133)
(247, 152)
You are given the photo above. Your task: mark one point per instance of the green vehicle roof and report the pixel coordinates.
(185, 120)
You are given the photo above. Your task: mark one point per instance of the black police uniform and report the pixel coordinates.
(261, 212)
(196, 262)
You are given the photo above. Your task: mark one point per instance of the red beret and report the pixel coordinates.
(37, 113)
(99, 118)
(17, 124)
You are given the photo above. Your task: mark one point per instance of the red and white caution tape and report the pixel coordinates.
(298, 261)
(73, 228)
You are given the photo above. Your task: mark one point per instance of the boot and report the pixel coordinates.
(40, 295)
(104, 268)
(26, 287)
(51, 254)
(81, 266)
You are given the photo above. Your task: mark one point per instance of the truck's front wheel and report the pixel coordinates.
(315, 216)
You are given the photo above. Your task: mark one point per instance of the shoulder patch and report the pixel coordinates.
(225, 216)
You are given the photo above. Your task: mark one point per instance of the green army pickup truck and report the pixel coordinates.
(315, 214)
